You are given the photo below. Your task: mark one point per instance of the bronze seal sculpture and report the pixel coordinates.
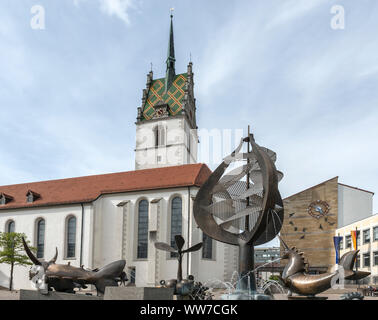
(64, 278)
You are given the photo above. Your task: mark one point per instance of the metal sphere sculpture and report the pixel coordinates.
(242, 213)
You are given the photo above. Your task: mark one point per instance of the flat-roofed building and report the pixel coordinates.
(367, 243)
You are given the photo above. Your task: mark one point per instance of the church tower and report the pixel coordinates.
(166, 129)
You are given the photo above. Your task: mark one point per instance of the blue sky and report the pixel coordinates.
(69, 93)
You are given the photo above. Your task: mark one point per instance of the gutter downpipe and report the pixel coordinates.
(82, 234)
(189, 235)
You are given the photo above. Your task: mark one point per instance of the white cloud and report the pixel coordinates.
(118, 8)
(292, 10)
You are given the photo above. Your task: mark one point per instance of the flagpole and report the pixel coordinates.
(358, 284)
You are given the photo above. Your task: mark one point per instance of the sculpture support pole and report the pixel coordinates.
(179, 271)
(246, 264)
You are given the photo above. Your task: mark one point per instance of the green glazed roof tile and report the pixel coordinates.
(173, 97)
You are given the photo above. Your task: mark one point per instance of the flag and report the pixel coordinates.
(354, 239)
(336, 241)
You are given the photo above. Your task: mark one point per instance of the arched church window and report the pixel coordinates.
(71, 237)
(142, 250)
(10, 226)
(176, 222)
(40, 238)
(207, 249)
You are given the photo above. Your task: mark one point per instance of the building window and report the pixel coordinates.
(71, 237)
(10, 226)
(142, 250)
(342, 244)
(358, 238)
(348, 242)
(358, 261)
(32, 196)
(176, 222)
(375, 234)
(366, 260)
(40, 238)
(207, 249)
(366, 236)
(375, 258)
(4, 199)
(132, 276)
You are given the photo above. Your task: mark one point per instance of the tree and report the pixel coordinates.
(12, 252)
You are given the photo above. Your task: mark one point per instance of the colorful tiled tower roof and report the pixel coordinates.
(170, 96)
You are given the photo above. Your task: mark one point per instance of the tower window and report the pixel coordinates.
(159, 132)
(176, 222)
(142, 250)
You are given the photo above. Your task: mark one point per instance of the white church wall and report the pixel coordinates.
(55, 230)
(111, 229)
(159, 265)
(104, 240)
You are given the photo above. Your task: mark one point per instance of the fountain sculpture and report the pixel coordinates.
(241, 213)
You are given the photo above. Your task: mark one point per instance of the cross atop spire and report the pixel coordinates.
(171, 73)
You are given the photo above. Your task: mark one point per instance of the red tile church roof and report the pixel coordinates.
(89, 188)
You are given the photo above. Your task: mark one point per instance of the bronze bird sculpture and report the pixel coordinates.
(64, 278)
(297, 280)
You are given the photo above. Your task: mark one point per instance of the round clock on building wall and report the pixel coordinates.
(318, 209)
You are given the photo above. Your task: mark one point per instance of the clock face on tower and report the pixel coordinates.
(318, 209)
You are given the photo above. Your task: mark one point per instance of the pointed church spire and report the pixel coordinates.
(171, 73)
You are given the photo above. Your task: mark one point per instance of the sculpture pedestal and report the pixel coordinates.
(53, 295)
(306, 298)
(177, 297)
(133, 293)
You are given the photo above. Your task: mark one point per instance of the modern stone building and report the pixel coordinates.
(312, 217)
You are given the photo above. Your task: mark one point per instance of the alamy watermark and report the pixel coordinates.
(37, 21)
(338, 19)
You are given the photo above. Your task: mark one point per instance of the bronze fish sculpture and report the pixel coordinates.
(64, 278)
(297, 280)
